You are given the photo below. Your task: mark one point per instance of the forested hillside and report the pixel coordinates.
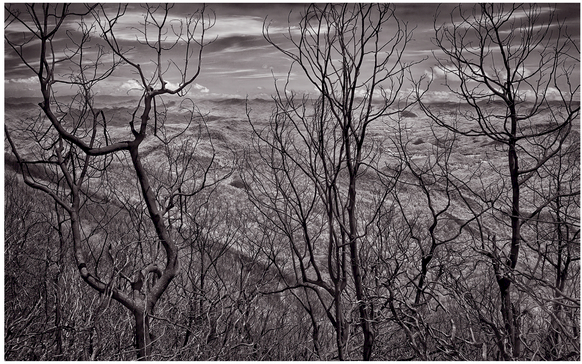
(367, 219)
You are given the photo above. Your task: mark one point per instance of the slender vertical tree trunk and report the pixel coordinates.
(515, 236)
(60, 264)
(562, 262)
(314, 334)
(142, 335)
(507, 312)
(363, 309)
(355, 260)
(340, 342)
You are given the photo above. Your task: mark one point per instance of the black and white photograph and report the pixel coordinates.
(292, 181)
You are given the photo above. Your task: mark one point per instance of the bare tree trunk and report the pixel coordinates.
(503, 281)
(339, 327)
(143, 339)
(354, 257)
(60, 268)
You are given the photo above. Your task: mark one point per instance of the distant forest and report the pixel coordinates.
(361, 221)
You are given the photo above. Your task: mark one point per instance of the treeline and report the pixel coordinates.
(337, 233)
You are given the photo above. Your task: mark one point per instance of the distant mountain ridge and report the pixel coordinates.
(109, 101)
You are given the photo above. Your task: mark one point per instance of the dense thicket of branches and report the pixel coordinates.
(353, 229)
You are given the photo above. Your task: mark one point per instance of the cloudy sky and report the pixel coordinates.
(239, 62)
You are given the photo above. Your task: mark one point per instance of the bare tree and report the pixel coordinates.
(508, 63)
(555, 231)
(71, 140)
(316, 153)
